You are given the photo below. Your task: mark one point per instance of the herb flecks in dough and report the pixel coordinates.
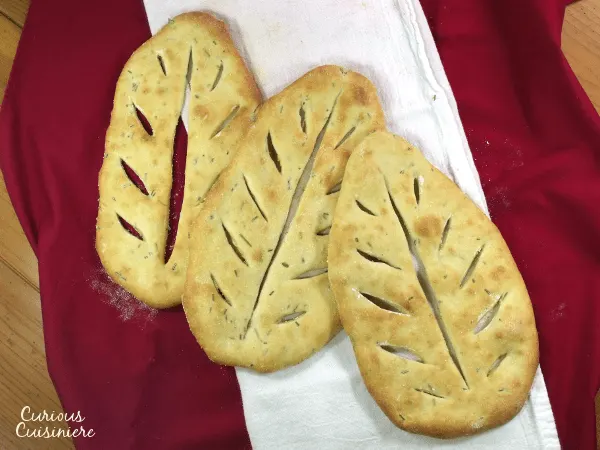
(278, 191)
(469, 319)
(298, 192)
(426, 284)
(139, 180)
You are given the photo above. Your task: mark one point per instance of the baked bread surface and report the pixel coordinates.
(257, 293)
(453, 350)
(192, 55)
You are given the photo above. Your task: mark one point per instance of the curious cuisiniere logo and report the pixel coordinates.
(31, 426)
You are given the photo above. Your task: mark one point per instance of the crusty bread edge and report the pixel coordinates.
(219, 28)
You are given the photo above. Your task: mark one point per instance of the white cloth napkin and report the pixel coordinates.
(323, 403)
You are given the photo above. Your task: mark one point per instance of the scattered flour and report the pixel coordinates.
(559, 312)
(126, 304)
(501, 195)
(477, 424)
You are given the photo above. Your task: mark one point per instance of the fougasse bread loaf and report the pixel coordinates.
(436, 309)
(257, 293)
(193, 56)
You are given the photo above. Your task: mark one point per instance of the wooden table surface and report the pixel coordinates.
(24, 378)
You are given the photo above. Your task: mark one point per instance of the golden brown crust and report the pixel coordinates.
(194, 48)
(470, 302)
(251, 298)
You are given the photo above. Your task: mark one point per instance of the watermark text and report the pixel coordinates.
(32, 425)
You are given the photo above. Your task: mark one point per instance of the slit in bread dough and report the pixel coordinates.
(298, 192)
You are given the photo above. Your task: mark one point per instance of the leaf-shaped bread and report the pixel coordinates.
(193, 54)
(257, 293)
(436, 309)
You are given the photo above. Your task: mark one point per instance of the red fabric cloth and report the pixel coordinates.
(143, 382)
(535, 138)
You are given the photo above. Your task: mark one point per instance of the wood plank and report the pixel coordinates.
(581, 45)
(16, 10)
(9, 39)
(15, 250)
(24, 379)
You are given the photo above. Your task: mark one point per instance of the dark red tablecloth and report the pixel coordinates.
(137, 376)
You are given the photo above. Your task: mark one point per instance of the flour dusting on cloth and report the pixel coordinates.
(126, 304)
